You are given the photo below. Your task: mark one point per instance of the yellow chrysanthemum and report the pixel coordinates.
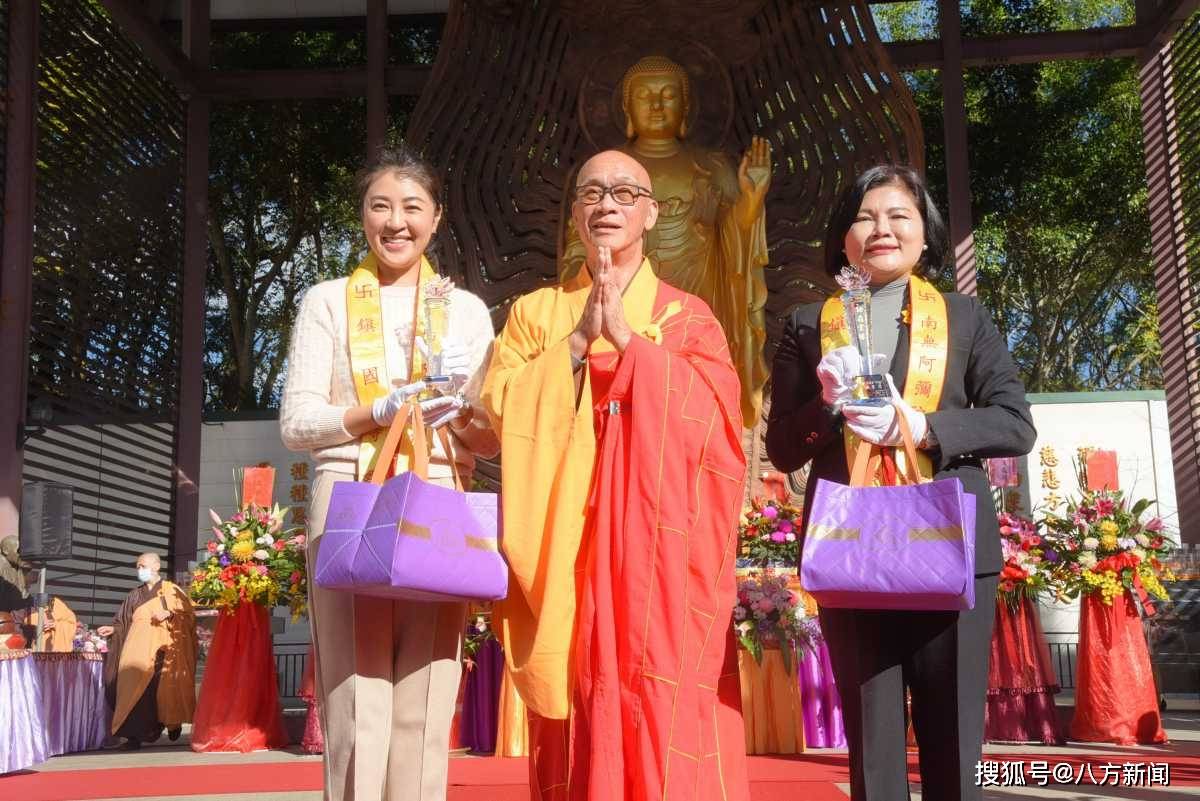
(242, 550)
(1109, 528)
(245, 534)
(1109, 542)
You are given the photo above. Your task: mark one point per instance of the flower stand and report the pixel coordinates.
(1115, 699)
(238, 709)
(1021, 681)
(771, 708)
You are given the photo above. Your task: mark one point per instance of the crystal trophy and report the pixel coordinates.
(870, 388)
(437, 323)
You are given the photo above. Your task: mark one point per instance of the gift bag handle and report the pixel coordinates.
(866, 457)
(448, 448)
(400, 424)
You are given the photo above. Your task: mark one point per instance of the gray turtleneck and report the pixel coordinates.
(886, 303)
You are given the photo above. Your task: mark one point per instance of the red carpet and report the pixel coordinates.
(812, 776)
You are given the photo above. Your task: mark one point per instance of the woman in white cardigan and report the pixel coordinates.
(387, 671)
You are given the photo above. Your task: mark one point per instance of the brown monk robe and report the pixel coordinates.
(150, 670)
(58, 630)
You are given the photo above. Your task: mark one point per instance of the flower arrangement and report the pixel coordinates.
(768, 533)
(1030, 562)
(88, 641)
(768, 613)
(1105, 548)
(253, 560)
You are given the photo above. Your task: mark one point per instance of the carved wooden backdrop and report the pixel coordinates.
(521, 93)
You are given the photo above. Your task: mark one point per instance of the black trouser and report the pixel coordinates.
(942, 658)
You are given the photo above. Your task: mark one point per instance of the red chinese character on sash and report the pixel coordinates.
(923, 388)
(366, 326)
(370, 375)
(363, 291)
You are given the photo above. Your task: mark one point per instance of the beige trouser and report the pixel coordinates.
(387, 678)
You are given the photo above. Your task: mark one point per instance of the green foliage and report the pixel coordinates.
(1062, 231)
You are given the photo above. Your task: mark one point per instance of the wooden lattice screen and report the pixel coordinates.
(104, 327)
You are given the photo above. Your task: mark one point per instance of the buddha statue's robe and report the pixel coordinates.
(620, 531)
(61, 638)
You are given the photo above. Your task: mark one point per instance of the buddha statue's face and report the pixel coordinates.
(656, 105)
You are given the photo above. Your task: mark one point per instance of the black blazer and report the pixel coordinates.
(982, 412)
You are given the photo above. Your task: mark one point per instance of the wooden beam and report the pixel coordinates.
(306, 84)
(1172, 15)
(185, 526)
(1025, 48)
(154, 44)
(376, 79)
(1175, 290)
(958, 165)
(16, 263)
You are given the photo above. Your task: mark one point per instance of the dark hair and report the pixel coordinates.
(404, 160)
(933, 257)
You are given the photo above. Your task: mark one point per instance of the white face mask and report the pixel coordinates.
(145, 574)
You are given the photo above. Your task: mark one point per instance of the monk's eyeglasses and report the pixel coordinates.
(624, 194)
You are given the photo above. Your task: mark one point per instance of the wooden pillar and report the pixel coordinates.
(195, 264)
(1176, 295)
(958, 167)
(16, 266)
(377, 97)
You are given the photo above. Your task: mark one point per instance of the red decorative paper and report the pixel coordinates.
(258, 486)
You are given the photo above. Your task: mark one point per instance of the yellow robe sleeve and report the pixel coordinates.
(548, 446)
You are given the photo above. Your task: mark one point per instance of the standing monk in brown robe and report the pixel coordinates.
(150, 671)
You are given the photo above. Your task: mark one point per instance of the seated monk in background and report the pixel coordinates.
(618, 409)
(150, 670)
(58, 629)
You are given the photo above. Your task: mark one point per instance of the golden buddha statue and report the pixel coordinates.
(710, 238)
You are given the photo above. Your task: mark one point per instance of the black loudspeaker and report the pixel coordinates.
(46, 517)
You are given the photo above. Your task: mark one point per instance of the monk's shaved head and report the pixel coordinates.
(150, 560)
(613, 164)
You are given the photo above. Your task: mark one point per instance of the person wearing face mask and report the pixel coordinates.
(387, 672)
(150, 668)
(954, 382)
(618, 408)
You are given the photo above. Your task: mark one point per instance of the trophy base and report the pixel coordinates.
(438, 379)
(871, 390)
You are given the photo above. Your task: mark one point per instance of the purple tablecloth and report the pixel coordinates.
(22, 720)
(823, 726)
(482, 698)
(50, 704)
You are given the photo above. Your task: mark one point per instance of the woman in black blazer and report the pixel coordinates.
(887, 224)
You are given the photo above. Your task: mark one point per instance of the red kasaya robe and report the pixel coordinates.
(656, 582)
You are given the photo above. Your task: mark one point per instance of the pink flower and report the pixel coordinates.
(1155, 524)
(212, 546)
(262, 569)
(1105, 506)
(785, 526)
(298, 540)
(295, 577)
(770, 512)
(790, 536)
(778, 536)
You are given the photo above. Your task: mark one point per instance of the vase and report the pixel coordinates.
(1115, 698)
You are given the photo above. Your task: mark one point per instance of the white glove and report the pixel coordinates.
(456, 359)
(384, 409)
(837, 371)
(877, 424)
(441, 410)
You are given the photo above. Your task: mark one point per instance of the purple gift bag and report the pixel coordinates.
(407, 538)
(903, 547)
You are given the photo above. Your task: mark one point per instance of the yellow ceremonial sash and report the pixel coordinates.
(364, 315)
(928, 348)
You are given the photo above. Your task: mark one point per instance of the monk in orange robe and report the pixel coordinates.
(150, 669)
(618, 408)
(58, 628)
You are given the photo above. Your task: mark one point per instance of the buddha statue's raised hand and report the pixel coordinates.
(754, 179)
